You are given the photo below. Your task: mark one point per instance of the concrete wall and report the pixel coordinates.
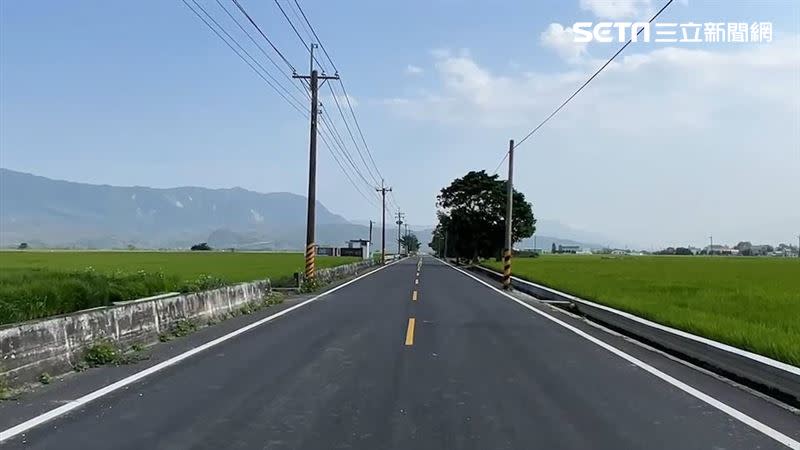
(334, 273)
(55, 344)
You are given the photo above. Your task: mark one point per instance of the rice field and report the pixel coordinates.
(750, 303)
(35, 284)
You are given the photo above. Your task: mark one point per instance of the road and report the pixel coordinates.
(420, 356)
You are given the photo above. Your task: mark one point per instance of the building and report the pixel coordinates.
(717, 249)
(569, 248)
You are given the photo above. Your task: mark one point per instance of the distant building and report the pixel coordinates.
(717, 249)
(760, 250)
(569, 248)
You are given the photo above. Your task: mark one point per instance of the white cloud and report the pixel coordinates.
(684, 82)
(414, 70)
(618, 9)
(562, 40)
(671, 141)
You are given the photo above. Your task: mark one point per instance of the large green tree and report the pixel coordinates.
(410, 242)
(472, 217)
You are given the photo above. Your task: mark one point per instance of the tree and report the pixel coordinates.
(472, 212)
(22, 246)
(410, 242)
(553, 248)
(201, 247)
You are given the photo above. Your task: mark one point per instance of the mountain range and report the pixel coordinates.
(53, 213)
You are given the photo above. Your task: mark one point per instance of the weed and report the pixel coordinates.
(137, 347)
(274, 298)
(165, 337)
(4, 390)
(183, 327)
(310, 286)
(203, 282)
(80, 366)
(45, 378)
(101, 353)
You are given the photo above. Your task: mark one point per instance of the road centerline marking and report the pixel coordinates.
(416, 281)
(410, 331)
(414, 296)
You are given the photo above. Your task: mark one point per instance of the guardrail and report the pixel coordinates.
(775, 378)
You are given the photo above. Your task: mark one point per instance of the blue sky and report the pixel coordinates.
(673, 143)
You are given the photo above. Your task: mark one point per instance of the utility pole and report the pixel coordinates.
(509, 218)
(445, 244)
(370, 231)
(383, 190)
(313, 84)
(711, 247)
(399, 223)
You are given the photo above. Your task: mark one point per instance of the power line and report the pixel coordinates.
(302, 25)
(355, 144)
(241, 8)
(583, 85)
(264, 52)
(297, 33)
(241, 52)
(343, 148)
(305, 18)
(211, 27)
(341, 83)
(370, 200)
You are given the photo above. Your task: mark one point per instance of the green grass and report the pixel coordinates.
(35, 284)
(750, 303)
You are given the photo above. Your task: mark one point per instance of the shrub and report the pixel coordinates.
(202, 283)
(45, 378)
(101, 353)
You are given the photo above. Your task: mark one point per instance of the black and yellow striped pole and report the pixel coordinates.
(311, 255)
(507, 270)
(509, 218)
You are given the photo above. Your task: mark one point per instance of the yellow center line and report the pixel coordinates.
(414, 296)
(410, 332)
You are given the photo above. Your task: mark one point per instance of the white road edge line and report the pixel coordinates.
(67, 407)
(728, 348)
(735, 413)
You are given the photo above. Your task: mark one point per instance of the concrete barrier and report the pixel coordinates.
(773, 377)
(334, 273)
(54, 345)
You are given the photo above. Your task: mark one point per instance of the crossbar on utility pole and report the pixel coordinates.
(509, 218)
(383, 190)
(313, 84)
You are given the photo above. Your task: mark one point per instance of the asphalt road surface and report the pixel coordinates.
(420, 356)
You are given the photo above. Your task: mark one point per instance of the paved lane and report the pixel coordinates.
(472, 370)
